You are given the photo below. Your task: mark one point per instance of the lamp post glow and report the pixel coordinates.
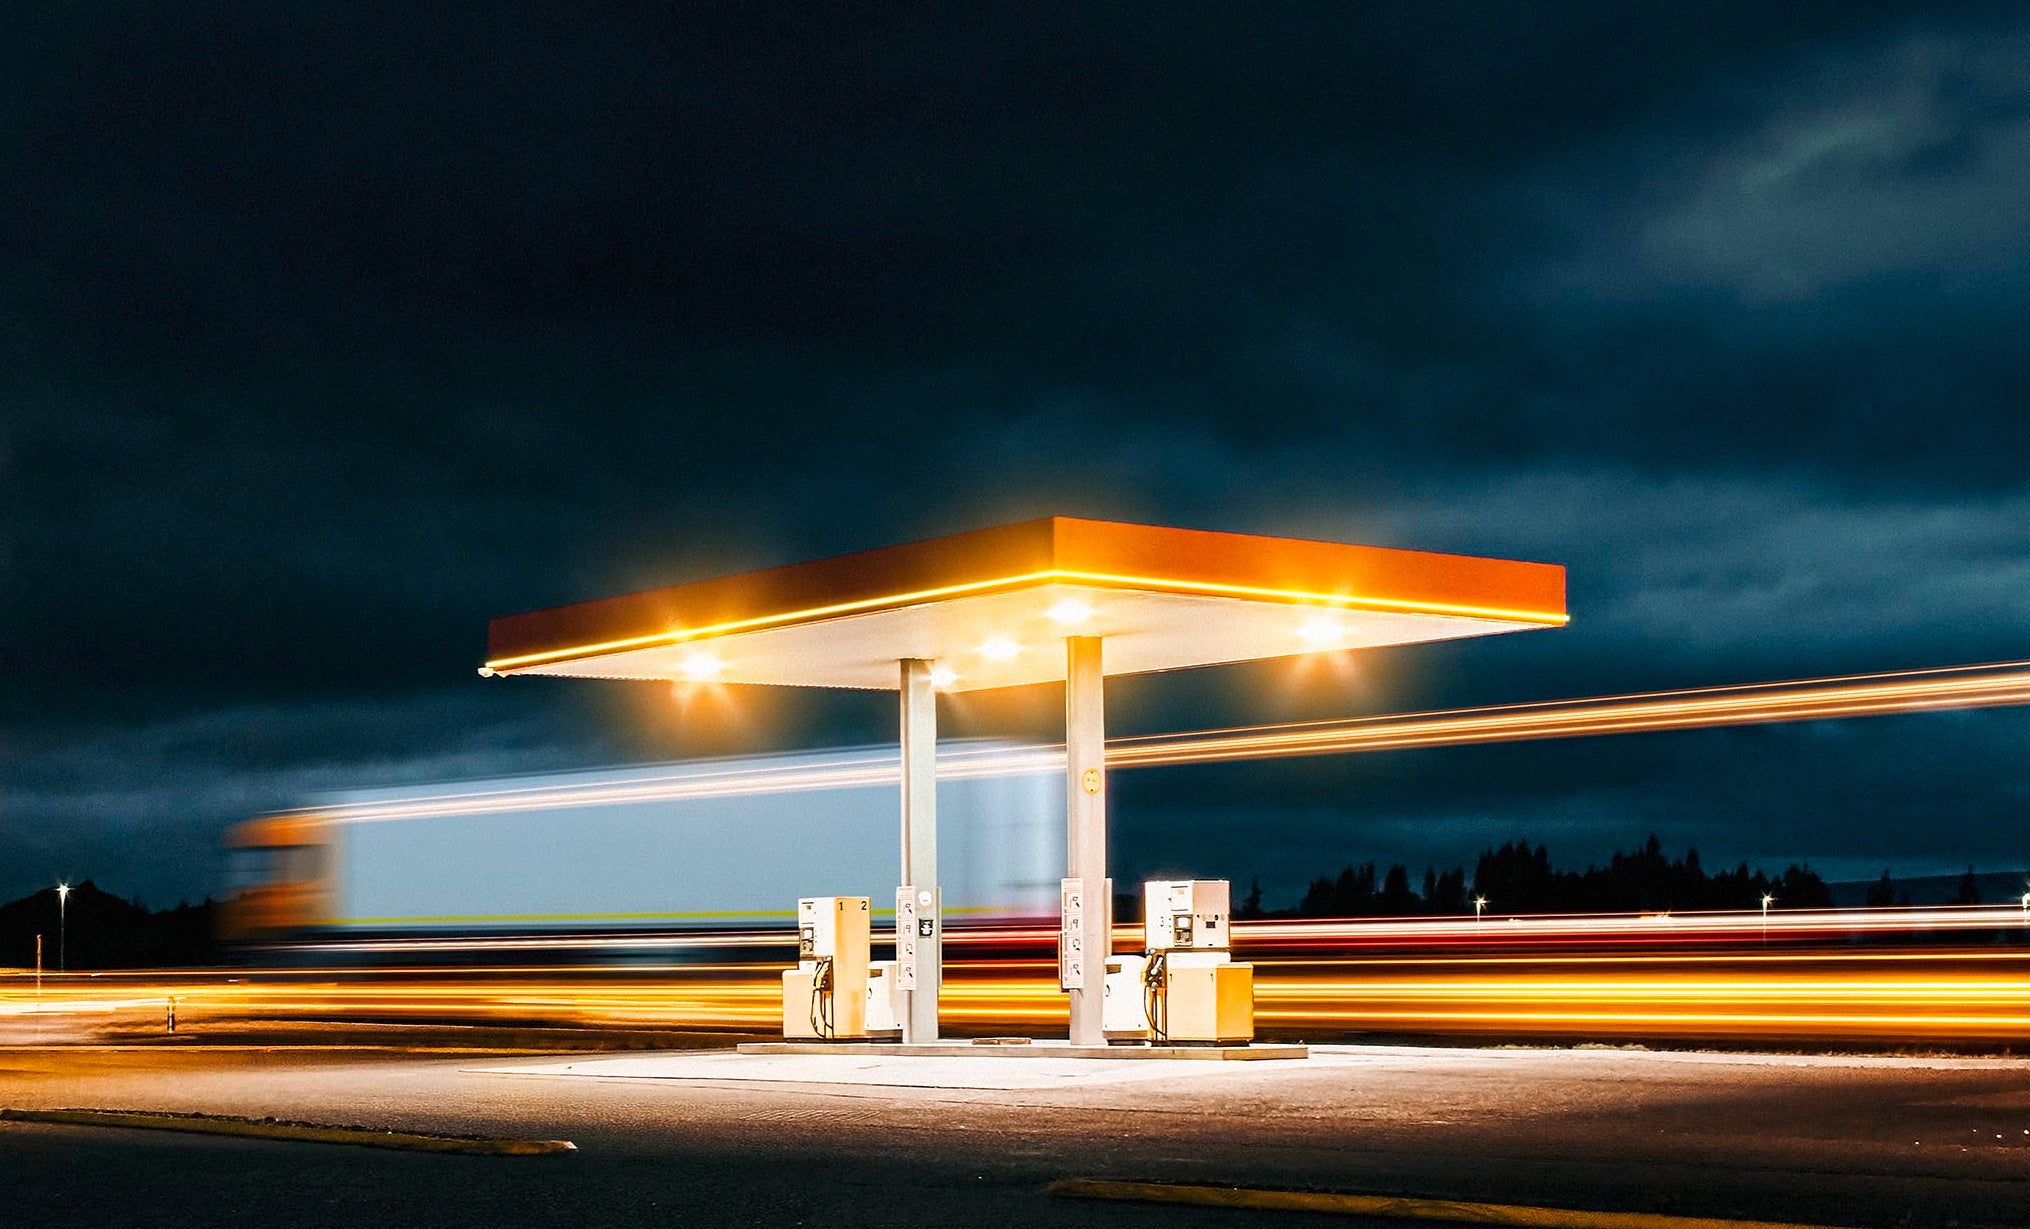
(2026, 908)
(1479, 903)
(62, 912)
(1767, 900)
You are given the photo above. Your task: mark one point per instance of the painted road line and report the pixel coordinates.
(1394, 1206)
(307, 1132)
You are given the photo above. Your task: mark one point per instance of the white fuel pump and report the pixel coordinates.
(1185, 987)
(824, 997)
(886, 1003)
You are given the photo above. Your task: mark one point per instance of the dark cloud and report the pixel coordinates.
(327, 334)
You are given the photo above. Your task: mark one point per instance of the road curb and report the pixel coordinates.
(306, 1132)
(1393, 1206)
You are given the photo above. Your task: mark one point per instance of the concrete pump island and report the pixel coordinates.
(1052, 600)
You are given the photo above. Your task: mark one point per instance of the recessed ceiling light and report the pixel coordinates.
(1070, 612)
(1321, 632)
(999, 648)
(701, 667)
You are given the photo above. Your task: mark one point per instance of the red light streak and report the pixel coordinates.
(1890, 976)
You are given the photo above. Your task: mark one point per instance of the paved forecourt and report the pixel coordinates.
(719, 1138)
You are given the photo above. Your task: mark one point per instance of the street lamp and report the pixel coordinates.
(62, 910)
(2026, 908)
(1480, 902)
(1767, 900)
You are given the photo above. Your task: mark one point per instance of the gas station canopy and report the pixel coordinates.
(1043, 601)
(992, 608)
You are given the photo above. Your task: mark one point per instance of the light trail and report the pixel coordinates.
(1556, 977)
(2000, 684)
(1786, 925)
(1995, 685)
(1702, 927)
(1948, 1000)
(686, 781)
(1880, 976)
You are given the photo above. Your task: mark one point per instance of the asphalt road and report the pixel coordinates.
(1863, 1141)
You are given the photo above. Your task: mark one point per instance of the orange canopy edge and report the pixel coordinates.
(984, 605)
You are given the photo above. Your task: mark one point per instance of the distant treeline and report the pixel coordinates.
(1519, 878)
(97, 930)
(1886, 891)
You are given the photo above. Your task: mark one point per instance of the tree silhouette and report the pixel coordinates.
(1396, 899)
(1519, 878)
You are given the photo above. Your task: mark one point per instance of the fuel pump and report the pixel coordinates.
(824, 997)
(1186, 987)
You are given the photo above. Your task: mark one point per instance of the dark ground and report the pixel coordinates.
(1829, 1140)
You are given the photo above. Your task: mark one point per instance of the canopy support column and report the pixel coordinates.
(1085, 753)
(919, 849)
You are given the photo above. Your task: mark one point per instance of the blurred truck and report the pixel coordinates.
(704, 845)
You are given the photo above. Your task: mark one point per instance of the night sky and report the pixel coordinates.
(328, 332)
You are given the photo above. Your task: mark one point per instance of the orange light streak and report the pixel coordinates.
(1554, 978)
(1984, 686)
(1956, 687)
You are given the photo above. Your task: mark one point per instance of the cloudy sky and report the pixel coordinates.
(327, 332)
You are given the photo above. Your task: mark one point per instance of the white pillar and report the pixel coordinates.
(919, 845)
(1085, 752)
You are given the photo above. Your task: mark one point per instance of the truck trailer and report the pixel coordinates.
(701, 845)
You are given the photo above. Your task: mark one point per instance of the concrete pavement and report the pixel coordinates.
(716, 1138)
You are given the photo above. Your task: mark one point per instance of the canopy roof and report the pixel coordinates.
(991, 608)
